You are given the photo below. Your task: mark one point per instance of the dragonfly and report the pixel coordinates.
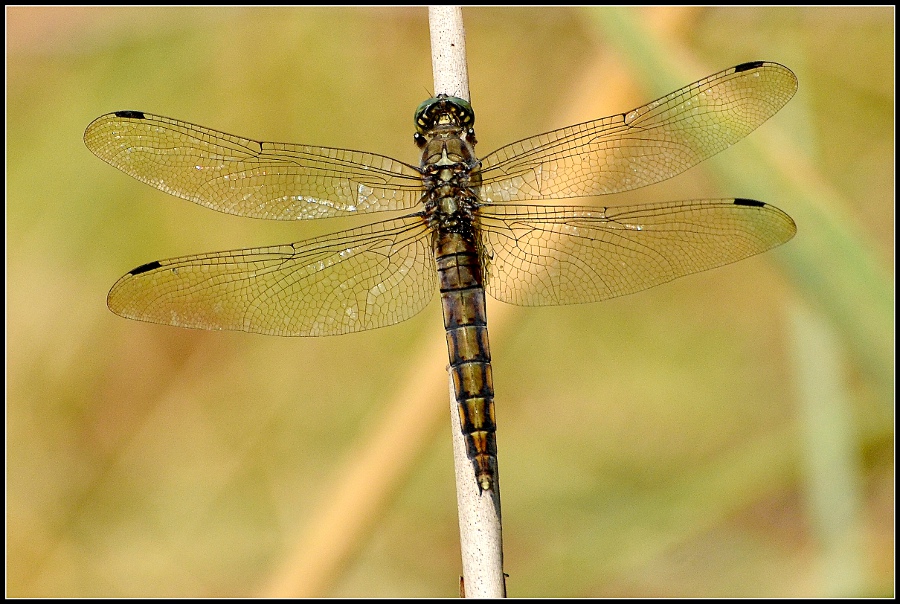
(470, 233)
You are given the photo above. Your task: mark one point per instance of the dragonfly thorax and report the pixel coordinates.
(447, 146)
(449, 172)
(449, 175)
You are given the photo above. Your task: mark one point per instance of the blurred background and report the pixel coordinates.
(728, 434)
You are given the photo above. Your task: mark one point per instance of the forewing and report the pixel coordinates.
(353, 280)
(542, 255)
(641, 147)
(235, 175)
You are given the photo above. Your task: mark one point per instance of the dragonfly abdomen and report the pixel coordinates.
(465, 321)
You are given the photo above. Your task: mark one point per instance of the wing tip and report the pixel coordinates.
(791, 226)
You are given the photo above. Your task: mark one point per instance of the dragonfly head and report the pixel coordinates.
(447, 111)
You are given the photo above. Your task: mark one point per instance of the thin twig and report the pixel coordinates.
(479, 511)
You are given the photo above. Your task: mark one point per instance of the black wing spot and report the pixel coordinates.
(749, 202)
(144, 268)
(748, 66)
(134, 115)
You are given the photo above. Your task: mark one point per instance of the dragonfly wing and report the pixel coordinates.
(235, 175)
(349, 281)
(543, 255)
(641, 147)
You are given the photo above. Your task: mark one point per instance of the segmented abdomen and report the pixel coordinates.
(462, 299)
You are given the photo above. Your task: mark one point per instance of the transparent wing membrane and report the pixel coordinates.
(538, 256)
(643, 146)
(349, 281)
(244, 177)
(383, 273)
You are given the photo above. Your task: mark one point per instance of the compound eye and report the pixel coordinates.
(438, 108)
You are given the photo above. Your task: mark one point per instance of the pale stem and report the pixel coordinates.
(479, 512)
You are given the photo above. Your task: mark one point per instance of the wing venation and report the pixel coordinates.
(643, 146)
(543, 255)
(244, 177)
(349, 281)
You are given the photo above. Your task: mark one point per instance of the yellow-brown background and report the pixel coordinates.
(654, 445)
